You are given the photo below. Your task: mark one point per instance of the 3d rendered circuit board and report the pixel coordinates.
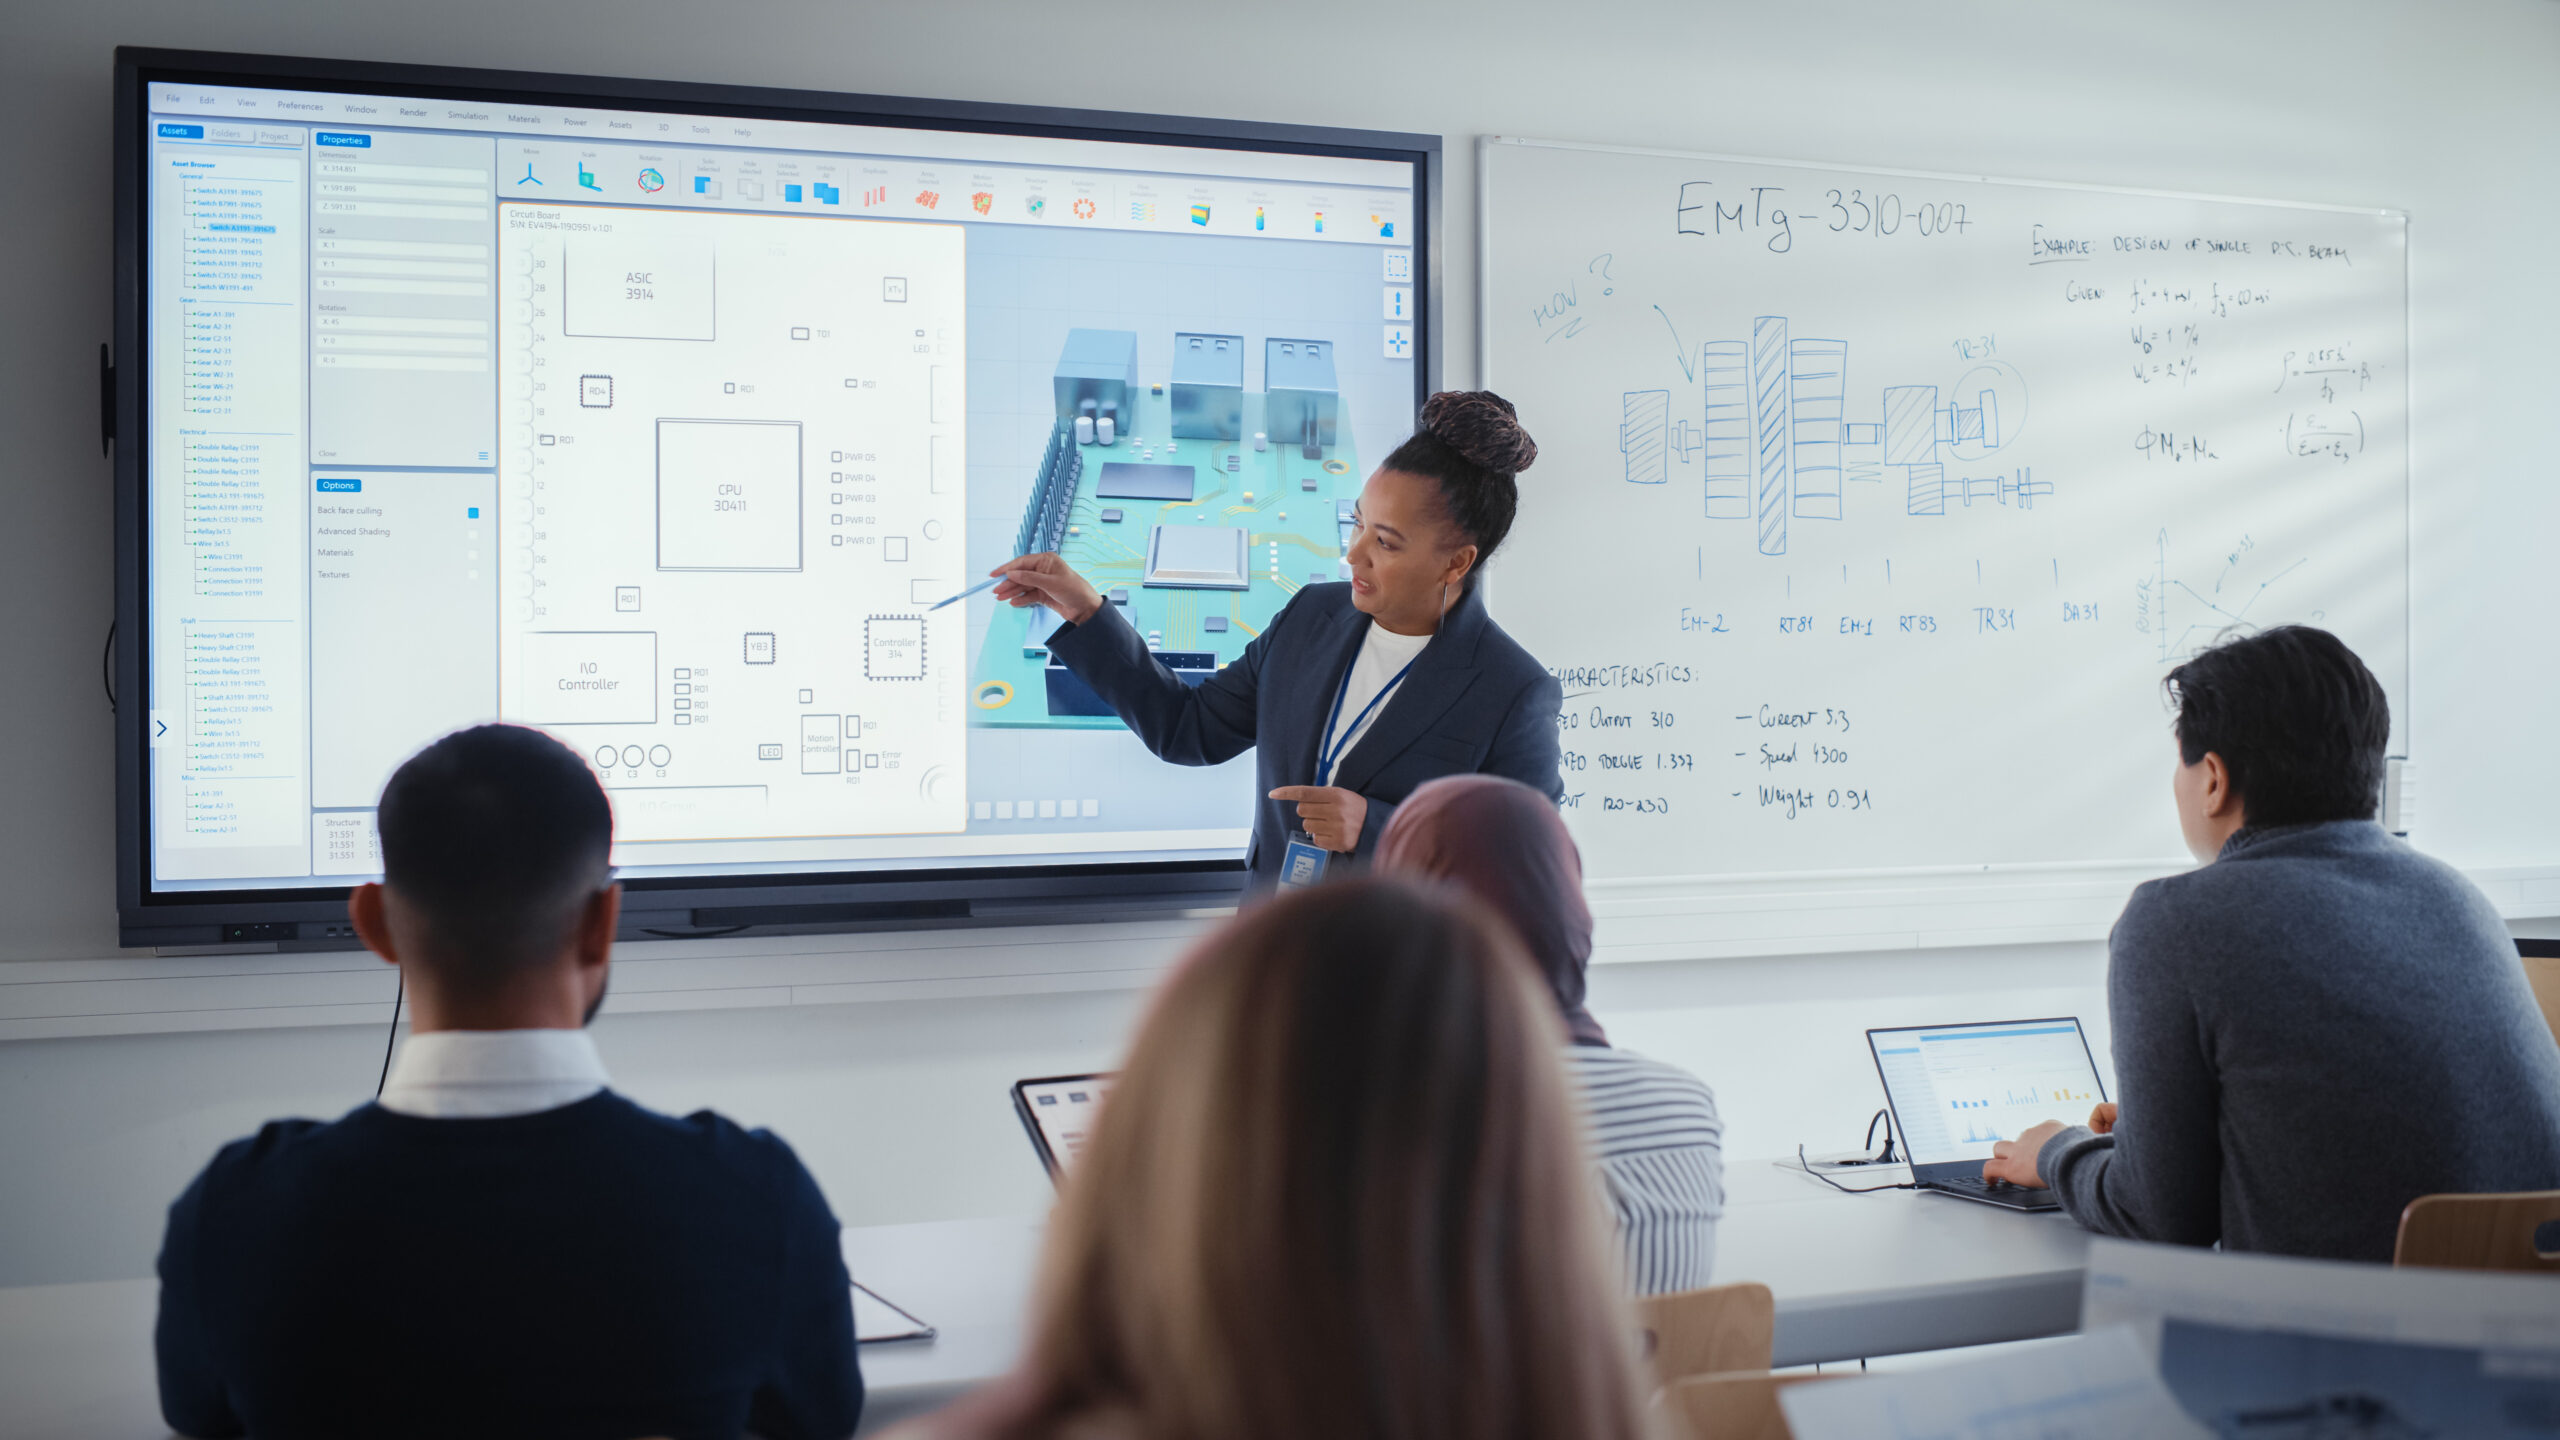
(1196, 507)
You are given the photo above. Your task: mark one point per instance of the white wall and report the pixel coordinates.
(900, 1108)
(2451, 111)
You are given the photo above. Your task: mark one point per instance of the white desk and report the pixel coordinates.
(1854, 1275)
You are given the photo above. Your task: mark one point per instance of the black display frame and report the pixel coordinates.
(314, 917)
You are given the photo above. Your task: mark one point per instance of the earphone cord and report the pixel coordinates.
(397, 995)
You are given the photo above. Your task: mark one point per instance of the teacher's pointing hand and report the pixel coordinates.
(1330, 815)
(1044, 579)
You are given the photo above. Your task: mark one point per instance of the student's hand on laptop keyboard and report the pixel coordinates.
(2103, 1119)
(2014, 1161)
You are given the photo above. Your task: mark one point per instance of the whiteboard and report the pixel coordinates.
(1871, 507)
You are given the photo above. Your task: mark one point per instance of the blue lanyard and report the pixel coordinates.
(1325, 759)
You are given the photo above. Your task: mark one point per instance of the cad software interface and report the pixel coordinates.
(666, 432)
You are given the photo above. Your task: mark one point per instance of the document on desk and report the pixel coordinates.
(2093, 1386)
(2258, 1344)
(2142, 1285)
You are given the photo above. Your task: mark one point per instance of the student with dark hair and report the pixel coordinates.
(501, 1245)
(1359, 691)
(1337, 1193)
(2317, 1026)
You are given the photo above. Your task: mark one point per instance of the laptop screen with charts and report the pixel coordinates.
(1058, 1114)
(1956, 1089)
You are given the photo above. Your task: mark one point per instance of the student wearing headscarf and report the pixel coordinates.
(1660, 1143)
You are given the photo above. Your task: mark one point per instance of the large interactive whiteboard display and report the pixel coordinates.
(666, 418)
(1871, 507)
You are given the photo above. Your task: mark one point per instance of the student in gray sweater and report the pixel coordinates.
(2317, 1026)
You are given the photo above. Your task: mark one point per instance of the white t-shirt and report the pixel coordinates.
(1381, 656)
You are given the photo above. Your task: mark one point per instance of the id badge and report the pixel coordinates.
(1302, 863)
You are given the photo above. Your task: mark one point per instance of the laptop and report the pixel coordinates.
(1057, 1112)
(1955, 1089)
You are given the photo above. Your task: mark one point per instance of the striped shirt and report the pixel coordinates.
(1660, 1148)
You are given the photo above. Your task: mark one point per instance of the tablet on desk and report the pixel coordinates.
(1058, 1114)
(877, 1319)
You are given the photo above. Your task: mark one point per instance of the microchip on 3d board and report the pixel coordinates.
(1130, 480)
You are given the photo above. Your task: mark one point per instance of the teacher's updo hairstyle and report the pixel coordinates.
(1469, 443)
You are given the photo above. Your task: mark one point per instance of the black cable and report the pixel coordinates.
(1844, 1189)
(107, 667)
(710, 934)
(1886, 1155)
(398, 994)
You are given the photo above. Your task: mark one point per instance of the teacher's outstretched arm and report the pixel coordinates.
(1207, 724)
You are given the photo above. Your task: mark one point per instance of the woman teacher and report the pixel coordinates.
(1356, 693)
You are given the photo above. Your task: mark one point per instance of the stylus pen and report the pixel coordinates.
(963, 595)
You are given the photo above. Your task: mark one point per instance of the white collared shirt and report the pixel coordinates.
(485, 1074)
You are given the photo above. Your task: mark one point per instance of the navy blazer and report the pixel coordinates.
(1475, 702)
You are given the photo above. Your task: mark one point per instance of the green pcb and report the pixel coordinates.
(1290, 508)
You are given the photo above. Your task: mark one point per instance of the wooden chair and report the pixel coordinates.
(1696, 1332)
(1741, 1406)
(2520, 1231)
(2542, 971)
